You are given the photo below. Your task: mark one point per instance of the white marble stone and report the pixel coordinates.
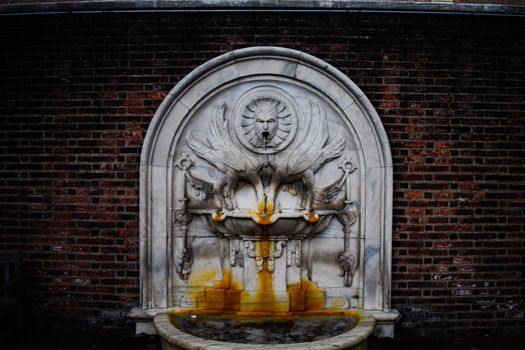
(251, 66)
(266, 177)
(325, 84)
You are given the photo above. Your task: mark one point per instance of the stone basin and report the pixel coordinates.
(225, 332)
(280, 225)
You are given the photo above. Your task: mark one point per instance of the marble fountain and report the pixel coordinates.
(265, 206)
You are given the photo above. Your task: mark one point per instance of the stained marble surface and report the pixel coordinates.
(266, 185)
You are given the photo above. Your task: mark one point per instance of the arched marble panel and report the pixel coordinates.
(258, 145)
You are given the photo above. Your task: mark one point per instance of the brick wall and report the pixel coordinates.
(78, 93)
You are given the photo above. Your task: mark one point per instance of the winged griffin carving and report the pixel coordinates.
(307, 157)
(263, 143)
(219, 150)
(296, 163)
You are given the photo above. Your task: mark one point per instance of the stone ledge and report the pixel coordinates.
(385, 322)
(47, 7)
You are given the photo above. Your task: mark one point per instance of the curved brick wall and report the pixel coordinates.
(78, 93)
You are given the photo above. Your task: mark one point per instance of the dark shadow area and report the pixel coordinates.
(125, 339)
(513, 339)
(81, 340)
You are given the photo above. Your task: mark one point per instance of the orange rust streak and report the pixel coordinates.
(265, 298)
(224, 294)
(264, 212)
(264, 220)
(312, 218)
(203, 278)
(261, 206)
(354, 313)
(306, 296)
(264, 278)
(269, 208)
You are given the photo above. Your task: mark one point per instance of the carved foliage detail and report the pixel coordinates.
(346, 260)
(183, 262)
(267, 251)
(184, 255)
(347, 264)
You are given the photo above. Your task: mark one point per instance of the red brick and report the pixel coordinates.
(78, 93)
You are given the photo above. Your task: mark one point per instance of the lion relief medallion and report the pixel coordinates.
(266, 120)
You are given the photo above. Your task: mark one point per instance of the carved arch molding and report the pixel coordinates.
(265, 144)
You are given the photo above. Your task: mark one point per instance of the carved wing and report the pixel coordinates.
(202, 187)
(218, 149)
(313, 152)
(328, 194)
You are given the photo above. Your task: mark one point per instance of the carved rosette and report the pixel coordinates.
(265, 120)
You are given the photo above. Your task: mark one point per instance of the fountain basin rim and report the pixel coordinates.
(222, 215)
(168, 332)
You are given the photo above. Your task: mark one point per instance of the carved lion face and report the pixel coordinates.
(265, 122)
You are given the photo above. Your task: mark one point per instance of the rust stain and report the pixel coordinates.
(265, 299)
(214, 299)
(217, 217)
(264, 220)
(264, 278)
(203, 278)
(306, 296)
(354, 313)
(265, 212)
(297, 297)
(269, 208)
(226, 294)
(312, 218)
(223, 294)
(261, 207)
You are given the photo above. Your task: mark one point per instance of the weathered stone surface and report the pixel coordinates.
(266, 187)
